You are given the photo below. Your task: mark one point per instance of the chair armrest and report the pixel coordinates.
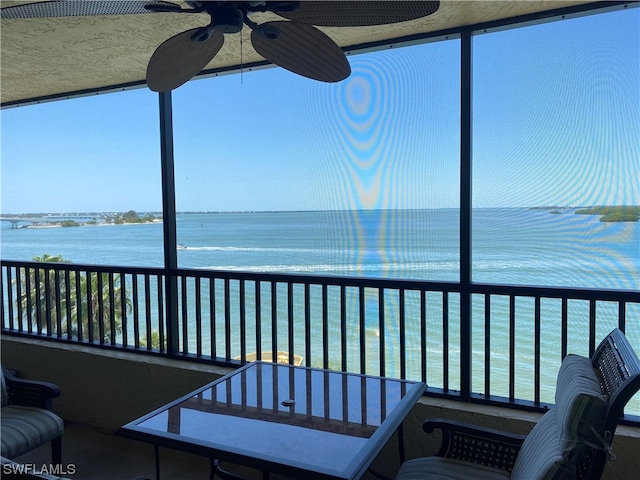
(484, 446)
(30, 393)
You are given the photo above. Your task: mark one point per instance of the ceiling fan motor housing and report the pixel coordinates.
(227, 19)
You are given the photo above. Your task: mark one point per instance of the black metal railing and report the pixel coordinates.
(398, 328)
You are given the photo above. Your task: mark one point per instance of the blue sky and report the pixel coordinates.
(556, 122)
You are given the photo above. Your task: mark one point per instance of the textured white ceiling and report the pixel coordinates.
(52, 56)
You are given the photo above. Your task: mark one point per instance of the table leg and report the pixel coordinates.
(400, 433)
(401, 443)
(157, 452)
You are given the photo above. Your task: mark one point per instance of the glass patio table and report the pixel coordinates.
(301, 422)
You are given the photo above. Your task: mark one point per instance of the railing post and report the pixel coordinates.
(169, 221)
(465, 214)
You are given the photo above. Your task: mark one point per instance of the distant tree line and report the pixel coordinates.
(618, 213)
(621, 213)
(129, 217)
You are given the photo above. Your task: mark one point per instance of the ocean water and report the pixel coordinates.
(519, 246)
(510, 246)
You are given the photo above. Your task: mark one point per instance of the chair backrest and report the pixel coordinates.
(573, 439)
(618, 369)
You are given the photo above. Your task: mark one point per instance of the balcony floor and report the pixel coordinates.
(98, 455)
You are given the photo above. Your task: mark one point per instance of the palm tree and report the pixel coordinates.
(155, 340)
(81, 305)
(100, 321)
(38, 294)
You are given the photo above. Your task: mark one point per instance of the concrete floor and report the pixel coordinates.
(97, 455)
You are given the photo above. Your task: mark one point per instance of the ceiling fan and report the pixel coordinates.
(293, 43)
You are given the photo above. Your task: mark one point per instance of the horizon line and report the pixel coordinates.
(187, 212)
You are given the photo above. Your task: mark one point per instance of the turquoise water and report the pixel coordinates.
(511, 246)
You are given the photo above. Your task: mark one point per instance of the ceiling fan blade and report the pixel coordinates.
(179, 59)
(77, 8)
(358, 13)
(301, 49)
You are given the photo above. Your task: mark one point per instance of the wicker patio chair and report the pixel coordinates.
(27, 417)
(571, 441)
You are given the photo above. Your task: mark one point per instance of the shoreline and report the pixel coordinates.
(86, 224)
(606, 214)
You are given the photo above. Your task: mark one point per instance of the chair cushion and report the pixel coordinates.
(438, 468)
(580, 404)
(26, 428)
(5, 392)
(557, 442)
(540, 457)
